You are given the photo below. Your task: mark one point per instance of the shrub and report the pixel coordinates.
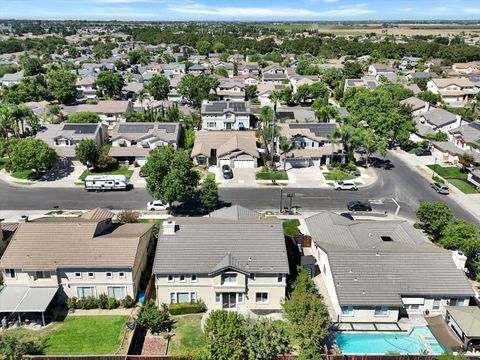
(87, 303)
(186, 308)
(155, 319)
(128, 302)
(103, 301)
(128, 216)
(72, 302)
(112, 303)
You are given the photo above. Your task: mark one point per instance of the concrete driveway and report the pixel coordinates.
(242, 177)
(310, 177)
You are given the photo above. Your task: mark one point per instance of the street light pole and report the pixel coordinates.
(434, 168)
(281, 200)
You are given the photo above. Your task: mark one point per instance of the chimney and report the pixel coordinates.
(459, 259)
(23, 218)
(459, 120)
(427, 106)
(169, 227)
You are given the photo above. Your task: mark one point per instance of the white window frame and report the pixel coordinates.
(94, 290)
(118, 286)
(194, 278)
(218, 298)
(173, 298)
(43, 274)
(77, 275)
(180, 278)
(240, 298)
(350, 310)
(252, 277)
(229, 275)
(109, 275)
(436, 307)
(170, 278)
(281, 278)
(193, 296)
(382, 311)
(267, 301)
(122, 275)
(9, 272)
(92, 276)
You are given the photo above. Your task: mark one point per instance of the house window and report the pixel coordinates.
(436, 304)
(109, 275)
(240, 298)
(10, 273)
(121, 274)
(252, 276)
(229, 279)
(170, 278)
(261, 298)
(347, 310)
(413, 307)
(210, 124)
(182, 278)
(173, 298)
(193, 297)
(193, 278)
(279, 278)
(42, 275)
(218, 298)
(91, 275)
(78, 275)
(183, 297)
(85, 291)
(118, 292)
(381, 311)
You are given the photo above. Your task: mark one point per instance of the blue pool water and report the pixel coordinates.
(381, 343)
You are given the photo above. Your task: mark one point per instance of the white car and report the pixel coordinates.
(344, 185)
(157, 205)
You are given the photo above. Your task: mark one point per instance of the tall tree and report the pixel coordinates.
(209, 193)
(87, 152)
(195, 89)
(158, 87)
(84, 117)
(61, 84)
(225, 335)
(285, 145)
(32, 154)
(434, 216)
(109, 84)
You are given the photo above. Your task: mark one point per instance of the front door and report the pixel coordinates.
(229, 301)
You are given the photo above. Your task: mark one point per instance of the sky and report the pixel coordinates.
(241, 10)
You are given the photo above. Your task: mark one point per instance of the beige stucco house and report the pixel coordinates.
(233, 260)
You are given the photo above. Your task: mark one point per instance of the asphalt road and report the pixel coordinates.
(406, 186)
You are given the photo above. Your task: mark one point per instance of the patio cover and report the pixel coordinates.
(442, 332)
(26, 299)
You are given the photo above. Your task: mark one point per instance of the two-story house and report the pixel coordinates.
(380, 69)
(231, 89)
(65, 257)
(109, 111)
(134, 141)
(229, 262)
(380, 271)
(464, 139)
(434, 120)
(174, 69)
(454, 91)
(86, 88)
(225, 115)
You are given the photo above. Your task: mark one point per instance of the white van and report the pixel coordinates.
(106, 182)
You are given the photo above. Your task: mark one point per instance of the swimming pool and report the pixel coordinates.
(419, 340)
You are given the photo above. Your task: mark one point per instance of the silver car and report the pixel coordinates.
(440, 188)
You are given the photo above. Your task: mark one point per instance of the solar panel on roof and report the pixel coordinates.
(135, 128)
(216, 107)
(81, 128)
(167, 127)
(237, 106)
(286, 115)
(317, 129)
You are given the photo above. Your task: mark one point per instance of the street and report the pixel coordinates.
(400, 182)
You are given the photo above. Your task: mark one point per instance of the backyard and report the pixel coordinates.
(122, 170)
(290, 227)
(99, 335)
(189, 339)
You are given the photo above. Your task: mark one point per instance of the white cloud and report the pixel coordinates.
(472, 11)
(264, 12)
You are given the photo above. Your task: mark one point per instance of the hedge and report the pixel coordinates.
(187, 308)
(102, 302)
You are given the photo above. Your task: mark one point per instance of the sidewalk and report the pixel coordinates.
(470, 202)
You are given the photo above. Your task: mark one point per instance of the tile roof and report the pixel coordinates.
(225, 142)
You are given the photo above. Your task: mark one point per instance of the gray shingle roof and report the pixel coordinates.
(236, 212)
(439, 117)
(376, 262)
(200, 246)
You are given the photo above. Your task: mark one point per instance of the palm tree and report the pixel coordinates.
(53, 111)
(7, 120)
(285, 146)
(275, 97)
(333, 138)
(326, 112)
(142, 96)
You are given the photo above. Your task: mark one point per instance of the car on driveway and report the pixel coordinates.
(423, 152)
(358, 206)
(344, 185)
(440, 188)
(227, 172)
(157, 205)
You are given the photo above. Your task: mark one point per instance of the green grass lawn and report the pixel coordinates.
(290, 227)
(271, 176)
(148, 221)
(448, 172)
(338, 175)
(463, 186)
(189, 338)
(23, 175)
(122, 170)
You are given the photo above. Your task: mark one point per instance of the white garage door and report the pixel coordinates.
(224, 162)
(141, 160)
(243, 164)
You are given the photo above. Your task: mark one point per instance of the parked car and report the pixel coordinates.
(344, 185)
(227, 172)
(358, 206)
(440, 188)
(423, 152)
(157, 205)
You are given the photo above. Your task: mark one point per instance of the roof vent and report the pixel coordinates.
(386, 238)
(169, 227)
(249, 258)
(355, 279)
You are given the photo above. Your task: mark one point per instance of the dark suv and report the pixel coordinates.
(227, 172)
(358, 206)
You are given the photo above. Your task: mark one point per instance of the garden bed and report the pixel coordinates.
(338, 175)
(280, 175)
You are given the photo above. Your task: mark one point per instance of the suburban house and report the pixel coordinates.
(380, 69)
(234, 148)
(6, 232)
(12, 79)
(467, 68)
(65, 257)
(229, 264)
(86, 88)
(63, 138)
(416, 105)
(462, 139)
(454, 91)
(299, 80)
(313, 147)
(434, 120)
(248, 68)
(134, 141)
(274, 78)
(264, 92)
(225, 115)
(174, 69)
(465, 322)
(248, 79)
(408, 62)
(380, 271)
(368, 82)
(110, 111)
(474, 177)
(231, 90)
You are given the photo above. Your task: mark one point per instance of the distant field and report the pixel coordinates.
(399, 29)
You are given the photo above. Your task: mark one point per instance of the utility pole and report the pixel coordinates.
(281, 200)
(273, 127)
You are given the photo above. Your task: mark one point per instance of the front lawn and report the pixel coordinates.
(189, 339)
(448, 172)
(290, 227)
(463, 186)
(280, 175)
(122, 170)
(338, 175)
(23, 175)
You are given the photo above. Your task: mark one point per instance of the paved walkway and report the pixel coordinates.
(470, 202)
